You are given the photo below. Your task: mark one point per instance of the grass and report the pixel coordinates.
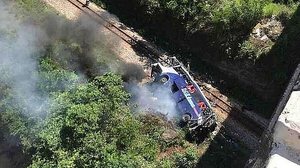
(278, 10)
(33, 9)
(34, 6)
(254, 49)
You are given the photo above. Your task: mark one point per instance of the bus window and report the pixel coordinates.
(174, 88)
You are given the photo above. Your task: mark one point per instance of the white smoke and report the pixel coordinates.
(153, 98)
(22, 42)
(19, 46)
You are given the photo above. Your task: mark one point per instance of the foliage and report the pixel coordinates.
(218, 27)
(283, 58)
(231, 20)
(53, 78)
(216, 32)
(18, 124)
(90, 126)
(186, 160)
(237, 14)
(279, 10)
(32, 7)
(87, 125)
(254, 49)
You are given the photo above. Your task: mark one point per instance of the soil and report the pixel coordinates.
(121, 48)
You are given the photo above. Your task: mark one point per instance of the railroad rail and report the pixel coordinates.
(255, 126)
(148, 51)
(155, 55)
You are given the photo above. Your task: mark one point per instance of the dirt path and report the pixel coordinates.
(121, 48)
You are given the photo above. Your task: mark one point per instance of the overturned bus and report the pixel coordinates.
(195, 110)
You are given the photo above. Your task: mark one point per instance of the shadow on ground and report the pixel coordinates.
(224, 152)
(281, 61)
(11, 155)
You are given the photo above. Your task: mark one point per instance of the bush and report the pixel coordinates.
(237, 14)
(53, 78)
(90, 125)
(279, 10)
(254, 49)
(87, 125)
(188, 159)
(32, 7)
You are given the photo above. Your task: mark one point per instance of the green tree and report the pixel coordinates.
(88, 124)
(53, 78)
(91, 126)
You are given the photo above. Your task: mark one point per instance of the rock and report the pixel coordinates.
(169, 135)
(257, 31)
(264, 38)
(267, 29)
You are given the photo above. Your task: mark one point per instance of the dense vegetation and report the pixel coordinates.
(212, 25)
(88, 124)
(218, 33)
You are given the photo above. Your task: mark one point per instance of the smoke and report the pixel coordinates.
(131, 72)
(147, 97)
(80, 46)
(153, 98)
(77, 46)
(19, 45)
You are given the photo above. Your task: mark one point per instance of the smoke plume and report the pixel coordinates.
(76, 45)
(19, 45)
(79, 46)
(131, 72)
(153, 98)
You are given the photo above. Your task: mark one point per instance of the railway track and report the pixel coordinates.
(148, 51)
(249, 120)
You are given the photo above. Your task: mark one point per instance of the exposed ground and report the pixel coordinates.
(122, 49)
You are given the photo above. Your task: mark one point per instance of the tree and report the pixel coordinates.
(53, 78)
(88, 124)
(91, 126)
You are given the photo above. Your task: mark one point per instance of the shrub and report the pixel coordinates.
(53, 78)
(187, 159)
(89, 125)
(273, 9)
(254, 49)
(237, 14)
(33, 7)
